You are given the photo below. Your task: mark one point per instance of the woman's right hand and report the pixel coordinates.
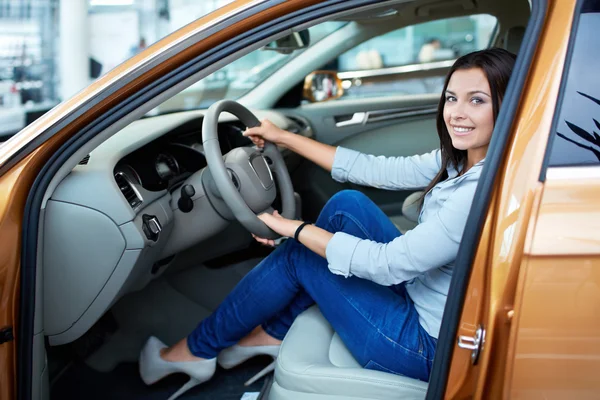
(265, 131)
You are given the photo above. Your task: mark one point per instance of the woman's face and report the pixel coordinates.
(468, 112)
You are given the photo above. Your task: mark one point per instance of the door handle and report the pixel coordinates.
(357, 119)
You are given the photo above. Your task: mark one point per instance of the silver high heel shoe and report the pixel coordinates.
(235, 355)
(153, 368)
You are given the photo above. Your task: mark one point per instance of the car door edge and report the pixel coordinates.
(470, 240)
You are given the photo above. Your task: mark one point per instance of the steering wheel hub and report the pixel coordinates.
(261, 169)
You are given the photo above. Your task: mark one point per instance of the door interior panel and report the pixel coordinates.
(398, 128)
(325, 118)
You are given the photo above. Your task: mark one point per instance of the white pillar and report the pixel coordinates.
(73, 53)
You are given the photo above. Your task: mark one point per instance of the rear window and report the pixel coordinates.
(577, 140)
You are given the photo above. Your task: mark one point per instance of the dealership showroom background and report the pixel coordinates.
(51, 49)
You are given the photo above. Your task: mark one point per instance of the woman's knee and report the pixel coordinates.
(343, 202)
(346, 199)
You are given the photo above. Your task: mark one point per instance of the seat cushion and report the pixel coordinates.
(411, 206)
(402, 223)
(314, 363)
(410, 213)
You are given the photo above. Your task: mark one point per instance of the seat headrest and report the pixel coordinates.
(513, 38)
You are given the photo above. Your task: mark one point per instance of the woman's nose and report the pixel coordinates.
(458, 112)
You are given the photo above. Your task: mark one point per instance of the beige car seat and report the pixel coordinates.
(314, 363)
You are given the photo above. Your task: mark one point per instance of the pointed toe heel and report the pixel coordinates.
(153, 367)
(189, 385)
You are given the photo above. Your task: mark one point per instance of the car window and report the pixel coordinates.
(577, 129)
(240, 76)
(396, 62)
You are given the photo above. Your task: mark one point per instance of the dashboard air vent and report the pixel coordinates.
(298, 125)
(85, 160)
(131, 195)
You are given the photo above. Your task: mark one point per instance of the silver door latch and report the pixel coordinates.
(473, 343)
(358, 118)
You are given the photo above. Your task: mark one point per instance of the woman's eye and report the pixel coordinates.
(477, 100)
(450, 98)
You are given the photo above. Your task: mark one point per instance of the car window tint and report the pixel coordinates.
(411, 48)
(577, 140)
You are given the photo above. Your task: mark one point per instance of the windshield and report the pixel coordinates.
(239, 77)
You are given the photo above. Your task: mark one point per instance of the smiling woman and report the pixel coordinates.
(467, 111)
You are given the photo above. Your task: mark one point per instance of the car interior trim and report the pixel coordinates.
(470, 240)
(371, 117)
(561, 91)
(132, 186)
(441, 66)
(38, 190)
(386, 115)
(251, 159)
(358, 118)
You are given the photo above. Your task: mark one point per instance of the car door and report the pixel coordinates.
(526, 329)
(389, 103)
(556, 338)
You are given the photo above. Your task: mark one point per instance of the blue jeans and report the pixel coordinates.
(378, 324)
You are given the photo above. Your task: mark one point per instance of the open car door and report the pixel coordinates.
(526, 328)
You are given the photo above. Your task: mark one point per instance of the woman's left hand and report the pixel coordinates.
(283, 226)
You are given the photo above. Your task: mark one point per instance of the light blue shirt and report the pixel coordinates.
(424, 256)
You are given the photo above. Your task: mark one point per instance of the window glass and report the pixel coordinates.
(431, 41)
(441, 40)
(577, 140)
(35, 59)
(27, 56)
(240, 76)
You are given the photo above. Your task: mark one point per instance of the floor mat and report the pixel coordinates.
(168, 308)
(124, 383)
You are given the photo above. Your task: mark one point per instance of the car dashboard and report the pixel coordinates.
(113, 224)
(166, 162)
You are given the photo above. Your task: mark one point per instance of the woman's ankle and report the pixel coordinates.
(259, 337)
(180, 352)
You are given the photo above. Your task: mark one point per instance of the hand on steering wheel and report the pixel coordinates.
(283, 226)
(243, 177)
(266, 131)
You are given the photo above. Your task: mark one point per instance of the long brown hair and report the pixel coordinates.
(497, 65)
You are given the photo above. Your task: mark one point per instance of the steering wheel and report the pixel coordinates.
(243, 177)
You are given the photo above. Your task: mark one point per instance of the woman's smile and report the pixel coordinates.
(461, 130)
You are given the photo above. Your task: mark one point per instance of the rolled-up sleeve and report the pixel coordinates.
(392, 173)
(339, 253)
(430, 245)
